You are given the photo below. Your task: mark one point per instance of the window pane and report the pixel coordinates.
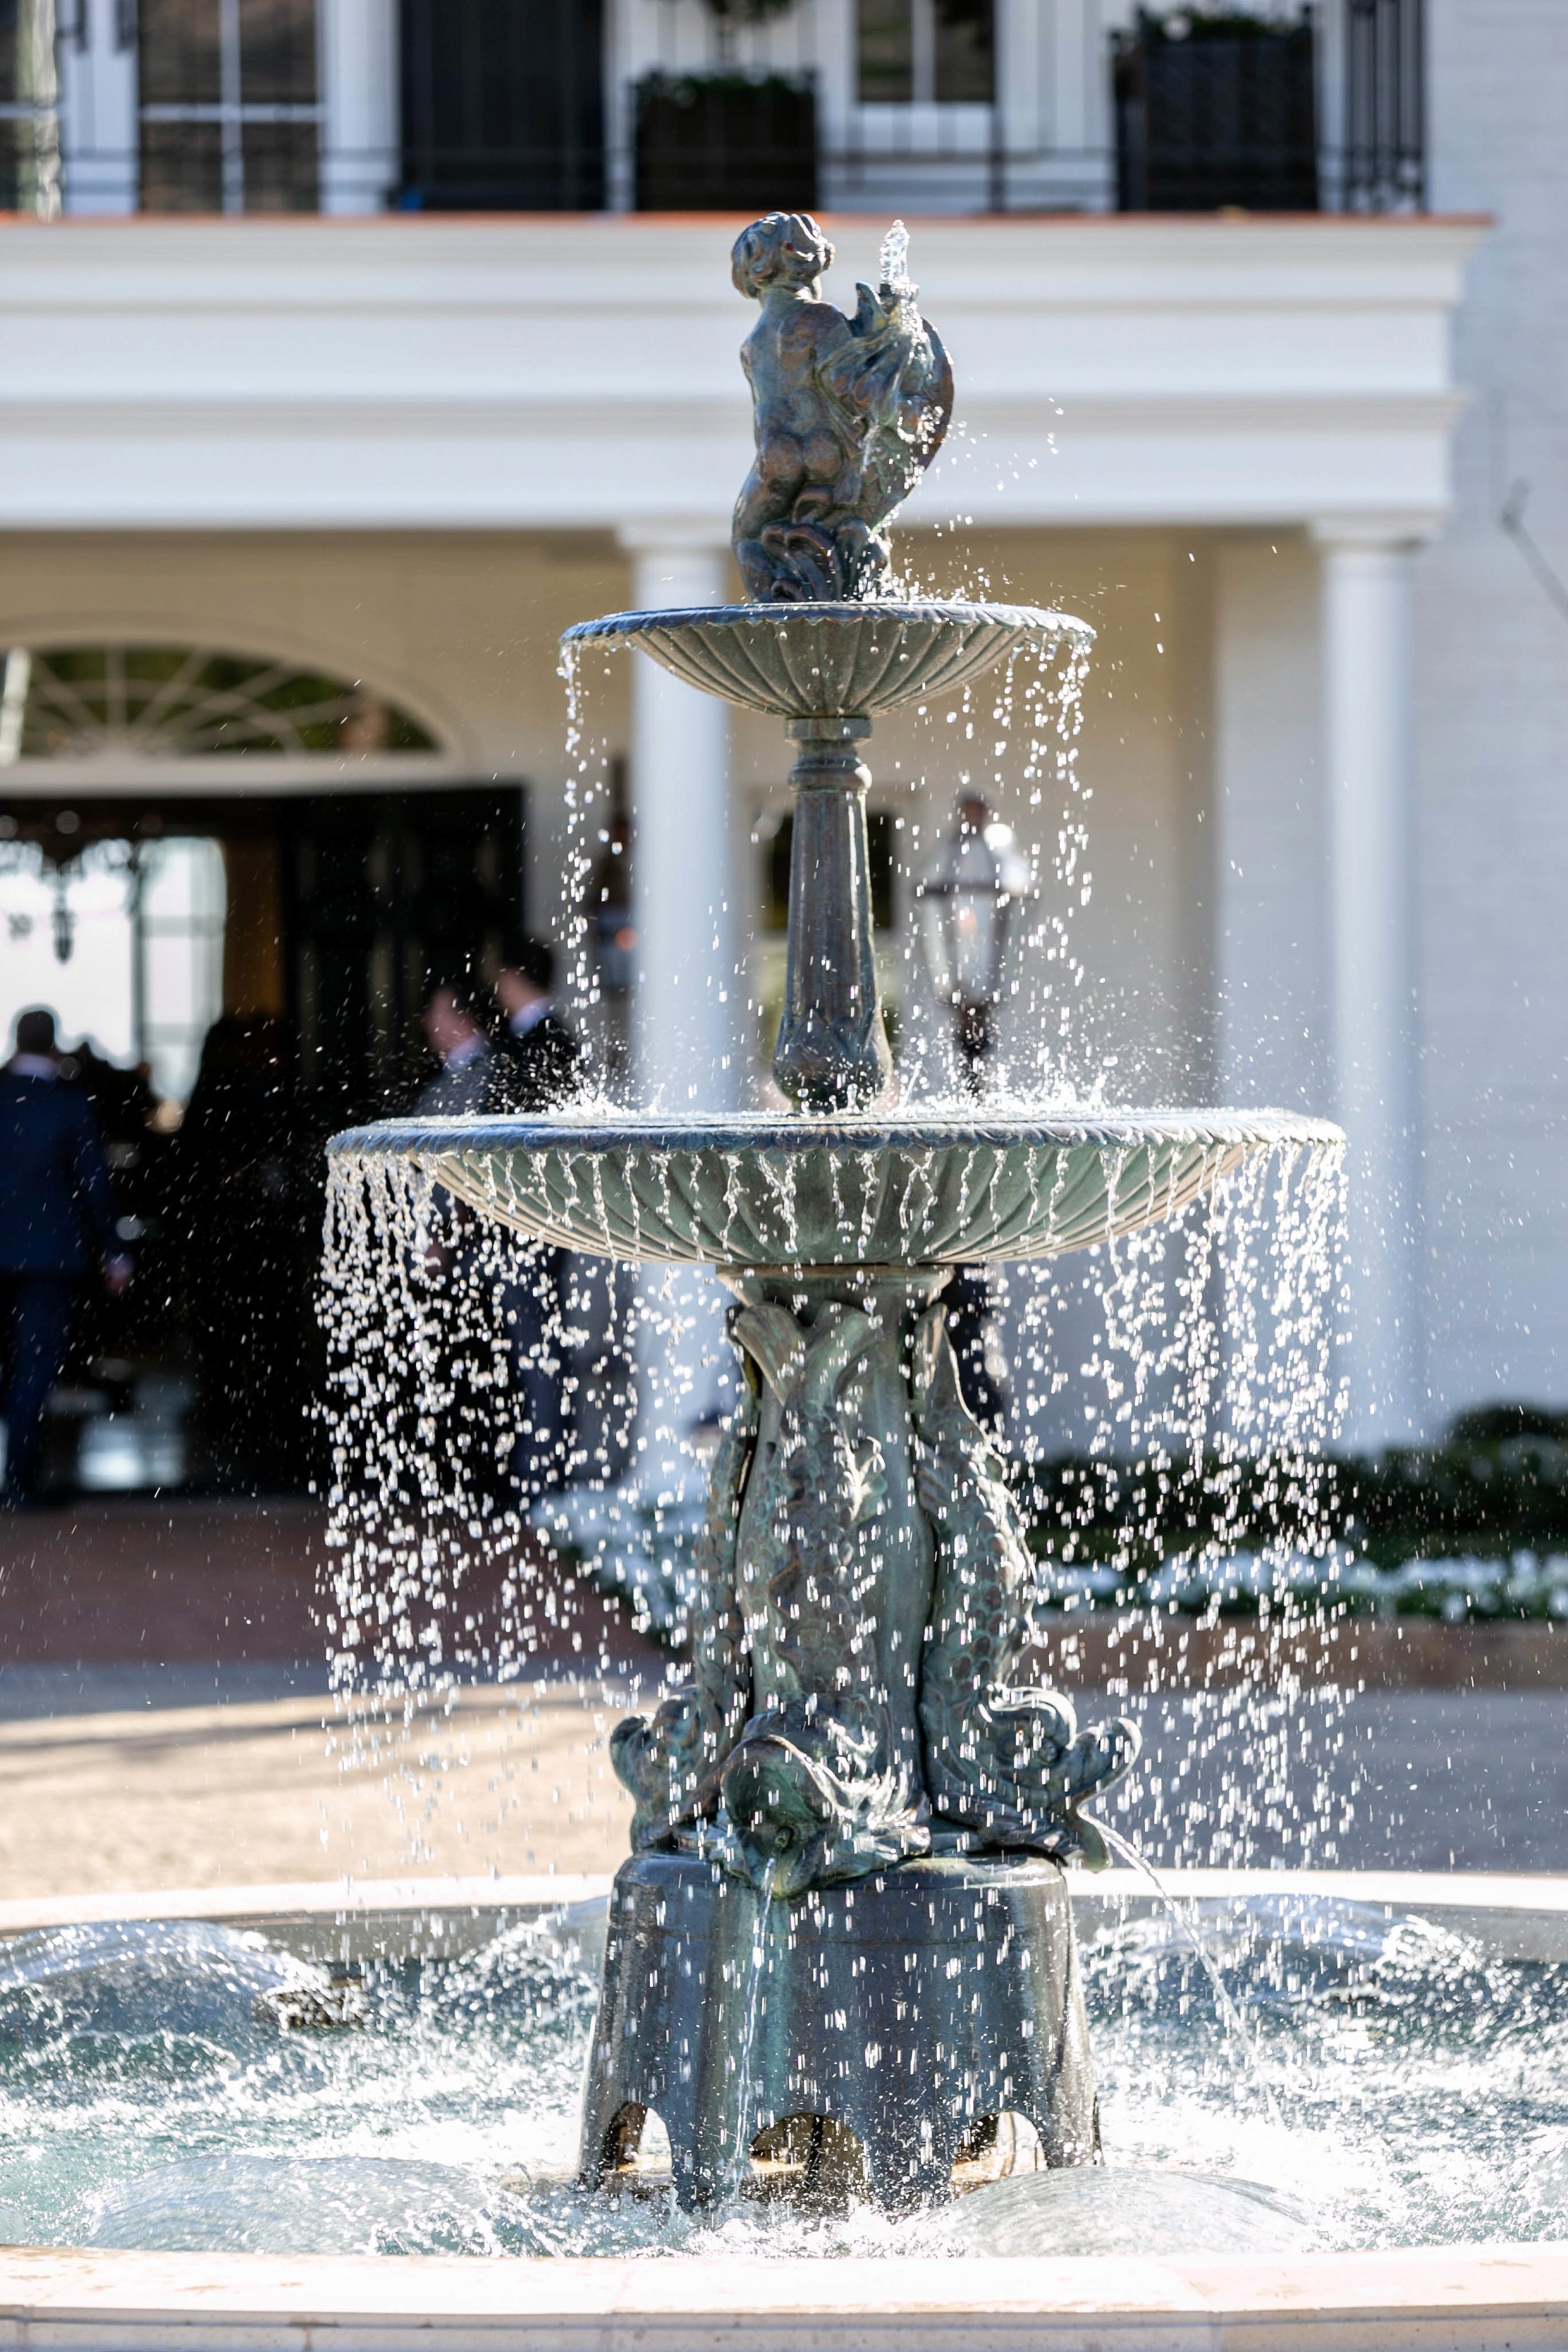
(280, 167)
(964, 50)
(277, 54)
(182, 167)
(886, 37)
(24, 151)
(178, 54)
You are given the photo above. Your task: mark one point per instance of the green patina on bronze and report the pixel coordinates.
(845, 1914)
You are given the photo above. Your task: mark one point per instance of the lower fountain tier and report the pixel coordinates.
(744, 1193)
(905, 2010)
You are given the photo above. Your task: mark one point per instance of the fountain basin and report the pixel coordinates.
(1463, 2295)
(754, 1194)
(833, 661)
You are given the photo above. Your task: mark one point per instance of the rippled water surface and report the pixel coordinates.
(1391, 2085)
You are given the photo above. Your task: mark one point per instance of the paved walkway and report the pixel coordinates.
(515, 1779)
(164, 1721)
(1387, 1779)
(129, 1582)
(164, 1717)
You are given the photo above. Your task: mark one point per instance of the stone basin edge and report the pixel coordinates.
(1476, 2298)
(847, 613)
(1517, 1914)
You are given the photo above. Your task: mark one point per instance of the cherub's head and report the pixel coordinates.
(784, 249)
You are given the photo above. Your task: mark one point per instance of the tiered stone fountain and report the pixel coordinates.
(843, 1948)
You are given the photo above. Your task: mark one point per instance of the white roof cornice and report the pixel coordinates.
(557, 373)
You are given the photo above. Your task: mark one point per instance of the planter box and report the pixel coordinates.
(719, 142)
(1218, 118)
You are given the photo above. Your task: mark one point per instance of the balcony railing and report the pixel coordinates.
(1328, 115)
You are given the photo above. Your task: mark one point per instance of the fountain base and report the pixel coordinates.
(905, 2010)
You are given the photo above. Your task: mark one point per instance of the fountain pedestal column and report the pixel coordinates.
(848, 1907)
(832, 1049)
(906, 2009)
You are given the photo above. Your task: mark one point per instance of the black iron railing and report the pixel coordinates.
(1384, 156)
(1327, 113)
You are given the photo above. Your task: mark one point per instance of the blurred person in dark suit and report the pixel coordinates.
(463, 1084)
(539, 1061)
(538, 1067)
(240, 1218)
(122, 1100)
(57, 1228)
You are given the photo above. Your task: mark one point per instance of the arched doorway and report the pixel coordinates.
(235, 873)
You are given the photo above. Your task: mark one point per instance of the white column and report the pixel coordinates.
(1368, 749)
(358, 64)
(684, 991)
(685, 994)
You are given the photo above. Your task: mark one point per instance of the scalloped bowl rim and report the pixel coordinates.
(611, 626)
(415, 1138)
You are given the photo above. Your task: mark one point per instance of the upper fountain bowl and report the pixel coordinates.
(833, 661)
(753, 1193)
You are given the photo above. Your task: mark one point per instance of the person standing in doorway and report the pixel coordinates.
(57, 1226)
(539, 1063)
(462, 1085)
(538, 1067)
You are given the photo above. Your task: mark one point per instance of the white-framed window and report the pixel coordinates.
(228, 107)
(123, 937)
(102, 702)
(925, 52)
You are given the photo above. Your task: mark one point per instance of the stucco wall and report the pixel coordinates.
(1493, 687)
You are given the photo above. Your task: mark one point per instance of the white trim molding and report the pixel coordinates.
(583, 373)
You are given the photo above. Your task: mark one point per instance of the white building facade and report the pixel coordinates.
(1269, 457)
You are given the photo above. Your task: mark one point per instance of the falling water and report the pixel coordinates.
(761, 1931)
(1236, 2029)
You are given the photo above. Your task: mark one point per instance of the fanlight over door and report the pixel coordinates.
(106, 702)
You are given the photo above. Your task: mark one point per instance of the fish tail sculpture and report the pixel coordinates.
(671, 1761)
(1007, 1764)
(811, 1792)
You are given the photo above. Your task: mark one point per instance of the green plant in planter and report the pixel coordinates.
(1215, 108)
(726, 140)
(728, 13)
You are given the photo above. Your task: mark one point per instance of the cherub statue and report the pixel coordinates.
(848, 415)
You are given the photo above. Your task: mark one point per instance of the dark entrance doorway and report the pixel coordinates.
(342, 908)
(378, 894)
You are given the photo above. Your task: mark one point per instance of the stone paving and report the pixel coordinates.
(164, 1721)
(515, 1779)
